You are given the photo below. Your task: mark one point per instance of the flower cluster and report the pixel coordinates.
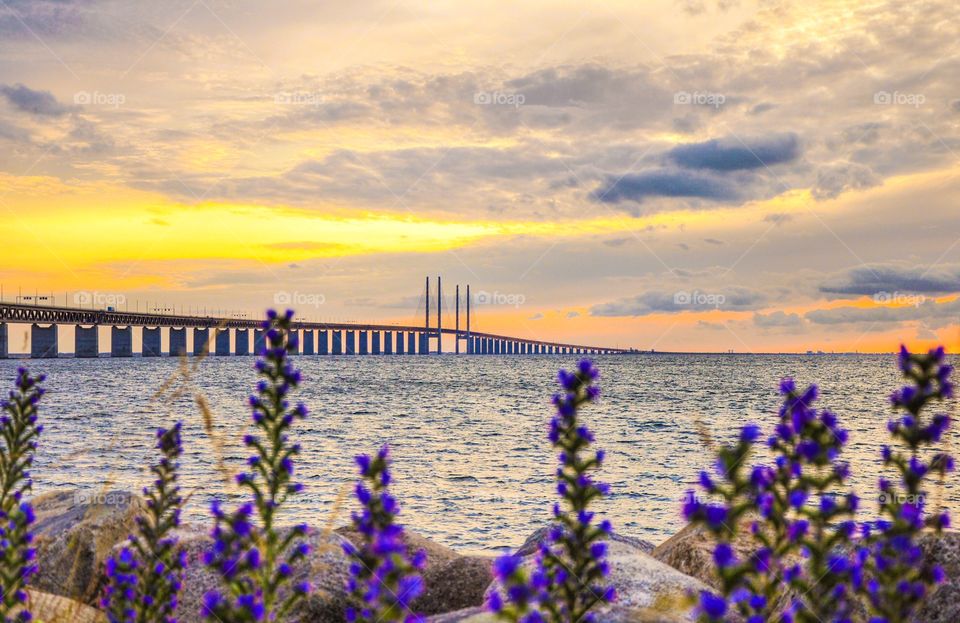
(253, 558)
(568, 581)
(145, 577)
(383, 580)
(899, 577)
(19, 431)
(805, 565)
(797, 514)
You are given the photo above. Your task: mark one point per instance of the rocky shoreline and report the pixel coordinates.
(75, 534)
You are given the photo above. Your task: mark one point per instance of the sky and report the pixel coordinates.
(677, 175)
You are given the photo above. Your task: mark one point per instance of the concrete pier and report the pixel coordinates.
(375, 346)
(307, 346)
(351, 348)
(178, 342)
(151, 342)
(411, 343)
(4, 340)
(259, 342)
(201, 339)
(364, 343)
(337, 342)
(121, 341)
(400, 343)
(43, 342)
(222, 343)
(86, 342)
(323, 343)
(388, 342)
(424, 344)
(241, 342)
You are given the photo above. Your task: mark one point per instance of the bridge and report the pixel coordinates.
(232, 336)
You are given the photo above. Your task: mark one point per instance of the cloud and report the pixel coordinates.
(664, 183)
(573, 314)
(885, 314)
(873, 279)
(734, 154)
(652, 302)
(713, 241)
(777, 319)
(778, 218)
(536, 316)
(36, 102)
(834, 179)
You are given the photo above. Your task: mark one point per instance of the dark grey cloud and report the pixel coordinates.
(734, 154)
(32, 101)
(875, 279)
(713, 241)
(665, 183)
(735, 298)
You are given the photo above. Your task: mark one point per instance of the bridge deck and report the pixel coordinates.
(41, 314)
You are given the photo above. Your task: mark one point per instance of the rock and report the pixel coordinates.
(615, 614)
(643, 582)
(943, 606)
(532, 543)
(47, 608)
(461, 583)
(437, 555)
(74, 533)
(646, 588)
(451, 581)
(326, 569)
(691, 551)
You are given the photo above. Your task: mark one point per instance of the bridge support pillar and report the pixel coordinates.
(258, 342)
(323, 343)
(150, 342)
(424, 344)
(121, 341)
(351, 348)
(43, 342)
(241, 342)
(375, 346)
(411, 343)
(293, 339)
(86, 342)
(337, 342)
(400, 343)
(201, 341)
(178, 342)
(4, 340)
(222, 342)
(307, 345)
(364, 342)
(388, 342)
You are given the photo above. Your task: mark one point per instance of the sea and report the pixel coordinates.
(472, 465)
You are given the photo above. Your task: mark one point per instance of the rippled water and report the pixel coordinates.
(472, 467)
